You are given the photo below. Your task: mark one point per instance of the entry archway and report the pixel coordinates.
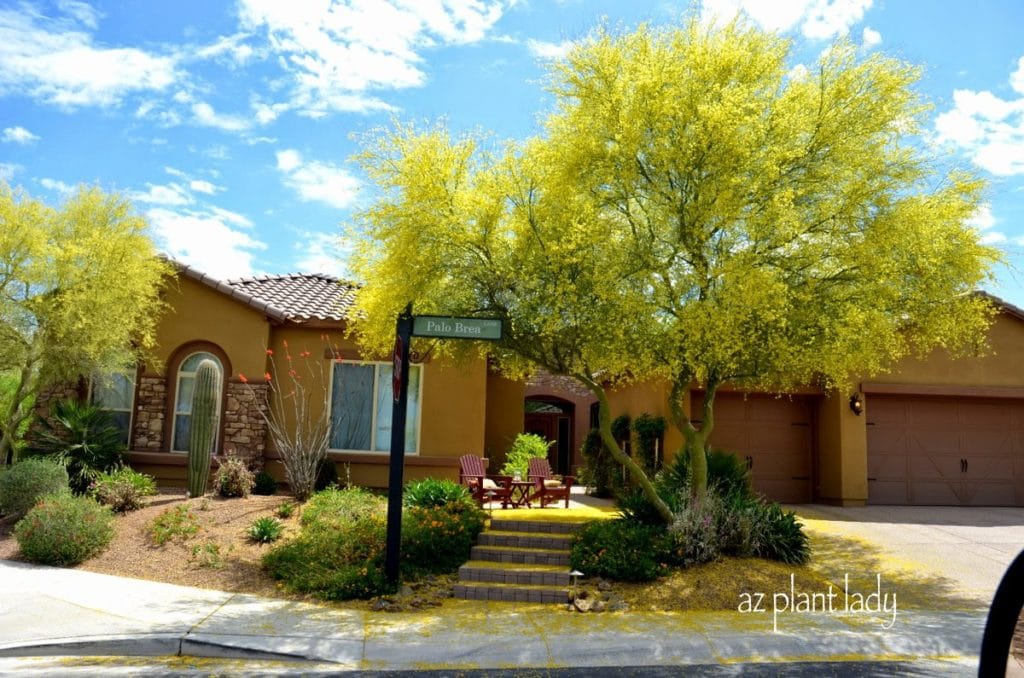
(553, 419)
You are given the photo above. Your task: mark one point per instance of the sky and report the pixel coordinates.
(231, 125)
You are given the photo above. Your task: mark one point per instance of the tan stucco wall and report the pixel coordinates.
(504, 417)
(842, 452)
(198, 313)
(650, 397)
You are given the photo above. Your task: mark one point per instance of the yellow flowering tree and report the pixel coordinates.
(698, 209)
(79, 292)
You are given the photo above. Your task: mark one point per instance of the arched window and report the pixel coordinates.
(182, 426)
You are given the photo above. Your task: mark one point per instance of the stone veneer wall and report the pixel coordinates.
(45, 399)
(244, 426)
(150, 411)
(544, 380)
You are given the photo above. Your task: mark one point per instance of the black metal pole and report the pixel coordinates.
(392, 555)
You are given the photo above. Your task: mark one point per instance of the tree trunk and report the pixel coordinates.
(605, 429)
(15, 416)
(696, 438)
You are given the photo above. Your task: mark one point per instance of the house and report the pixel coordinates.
(933, 431)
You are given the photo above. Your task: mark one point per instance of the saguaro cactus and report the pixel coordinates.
(204, 427)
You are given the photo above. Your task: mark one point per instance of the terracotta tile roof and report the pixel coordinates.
(301, 296)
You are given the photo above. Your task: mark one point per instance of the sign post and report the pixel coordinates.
(440, 327)
(396, 466)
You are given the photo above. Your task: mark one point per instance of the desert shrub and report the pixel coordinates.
(333, 564)
(526, 446)
(649, 433)
(285, 510)
(710, 527)
(24, 483)
(206, 554)
(621, 428)
(64, 530)
(233, 478)
(438, 539)
(178, 522)
(123, 489)
(265, 530)
(622, 550)
(326, 475)
(264, 484)
(431, 492)
(778, 535)
(600, 469)
(636, 507)
(334, 509)
(726, 472)
(83, 439)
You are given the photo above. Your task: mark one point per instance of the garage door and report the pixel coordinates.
(774, 435)
(945, 451)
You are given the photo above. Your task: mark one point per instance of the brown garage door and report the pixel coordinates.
(945, 451)
(774, 434)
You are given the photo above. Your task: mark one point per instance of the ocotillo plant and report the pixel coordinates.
(204, 427)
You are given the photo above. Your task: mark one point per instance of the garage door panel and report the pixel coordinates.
(949, 450)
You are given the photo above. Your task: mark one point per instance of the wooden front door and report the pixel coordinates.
(557, 428)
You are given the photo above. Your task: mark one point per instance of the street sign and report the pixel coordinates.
(444, 327)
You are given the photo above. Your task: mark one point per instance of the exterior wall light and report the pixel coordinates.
(856, 404)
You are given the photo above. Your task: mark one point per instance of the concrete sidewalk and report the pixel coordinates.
(55, 612)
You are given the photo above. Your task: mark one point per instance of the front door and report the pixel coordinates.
(555, 427)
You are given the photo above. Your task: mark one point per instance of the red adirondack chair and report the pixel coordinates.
(545, 488)
(473, 474)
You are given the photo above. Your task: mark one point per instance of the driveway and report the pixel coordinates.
(963, 551)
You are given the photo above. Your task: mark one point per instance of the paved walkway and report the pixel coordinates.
(51, 611)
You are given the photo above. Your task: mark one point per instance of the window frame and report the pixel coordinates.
(375, 396)
(132, 373)
(177, 393)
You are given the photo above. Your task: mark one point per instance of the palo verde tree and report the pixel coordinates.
(697, 210)
(79, 293)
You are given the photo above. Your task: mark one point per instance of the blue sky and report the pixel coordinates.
(230, 124)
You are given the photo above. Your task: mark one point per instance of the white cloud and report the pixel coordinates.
(870, 38)
(8, 170)
(317, 181)
(57, 186)
(231, 46)
(206, 240)
(816, 19)
(207, 117)
(200, 186)
(54, 61)
(549, 50)
(82, 12)
(983, 219)
(18, 135)
(321, 252)
(171, 194)
(987, 127)
(337, 52)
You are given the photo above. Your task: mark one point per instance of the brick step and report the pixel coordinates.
(528, 540)
(534, 526)
(521, 574)
(513, 554)
(511, 594)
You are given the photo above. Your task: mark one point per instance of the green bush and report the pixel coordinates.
(64, 530)
(726, 472)
(526, 446)
(264, 484)
(778, 535)
(24, 483)
(621, 428)
(622, 550)
(438, 539)
(333, 509)
(123, 489)
(649, 433)
(83, 439)
(326, 475)
(635, 506)
(285, 510)
(431, 492)
(265, 530)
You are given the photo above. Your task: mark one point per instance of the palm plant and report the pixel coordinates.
(83, 439)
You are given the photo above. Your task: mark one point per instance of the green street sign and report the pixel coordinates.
(456, 328)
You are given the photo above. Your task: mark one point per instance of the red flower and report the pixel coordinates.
(241, 378)
(266, 375)
(304, 354)
(270, 351)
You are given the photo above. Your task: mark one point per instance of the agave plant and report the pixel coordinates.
(83, 439)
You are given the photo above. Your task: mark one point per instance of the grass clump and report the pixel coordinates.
(63, 529)
(265, 530)
(179, 523)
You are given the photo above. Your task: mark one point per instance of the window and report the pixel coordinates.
(361, 402)
(115, 393)
(183, 398)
